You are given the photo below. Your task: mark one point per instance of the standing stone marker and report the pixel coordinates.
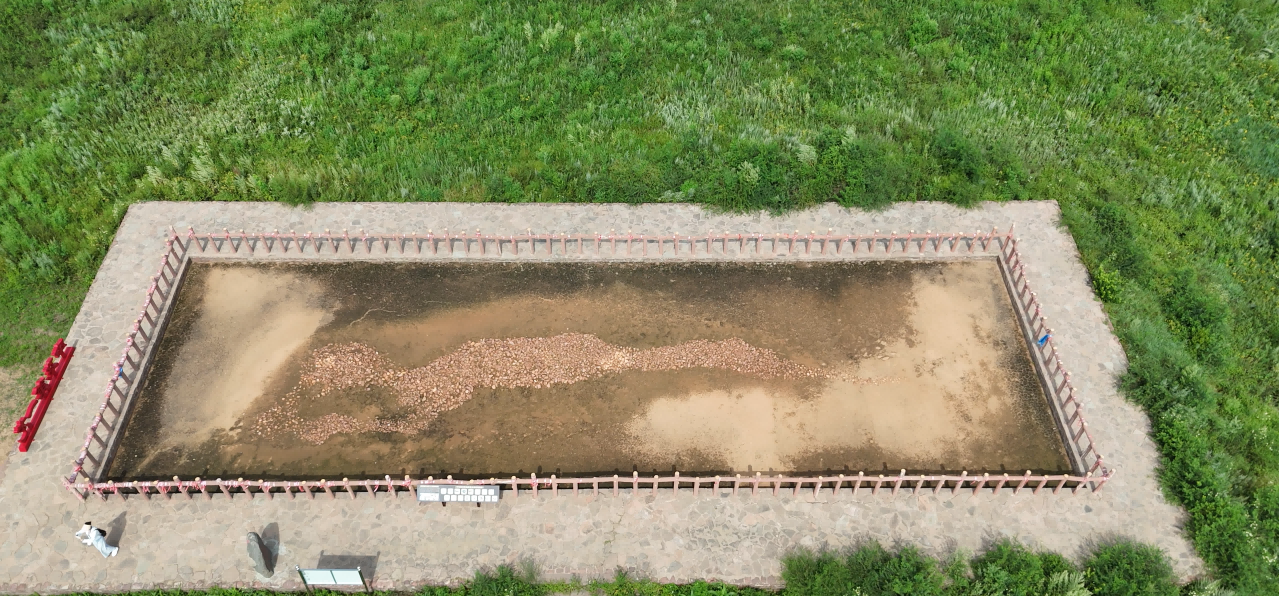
(258, 554)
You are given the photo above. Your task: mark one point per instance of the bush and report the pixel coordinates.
(1130, 569)
(1107, 283)
(869, 571)
(1012, 570)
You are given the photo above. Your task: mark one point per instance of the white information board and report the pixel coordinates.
(332, 577)
(459, 493)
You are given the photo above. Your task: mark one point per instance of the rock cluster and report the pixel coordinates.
(534, 362)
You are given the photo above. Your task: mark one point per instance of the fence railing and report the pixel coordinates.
(1088, 463)
(1061, 392)
(534, 486)
(128, 370)
(599, 245)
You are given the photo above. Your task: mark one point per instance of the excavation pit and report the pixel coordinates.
(492, 369)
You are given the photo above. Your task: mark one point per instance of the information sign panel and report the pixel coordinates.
(332, 577)
(458, 493)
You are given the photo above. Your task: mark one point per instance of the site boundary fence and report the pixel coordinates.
(180, 250)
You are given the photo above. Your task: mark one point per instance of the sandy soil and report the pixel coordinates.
(918, 366)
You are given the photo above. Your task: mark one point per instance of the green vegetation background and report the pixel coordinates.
(1004, 569)
(1155, 124)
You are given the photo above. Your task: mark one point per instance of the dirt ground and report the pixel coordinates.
(913, 365)
(14, 392)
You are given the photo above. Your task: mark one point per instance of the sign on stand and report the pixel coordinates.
(332, 577)
(458, 493)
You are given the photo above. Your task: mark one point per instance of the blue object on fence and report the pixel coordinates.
(1043, 340)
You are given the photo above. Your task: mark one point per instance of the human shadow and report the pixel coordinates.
(271, 544)
(366, 563)
(115, 529)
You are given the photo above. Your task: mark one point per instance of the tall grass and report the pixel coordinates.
(1155, 124)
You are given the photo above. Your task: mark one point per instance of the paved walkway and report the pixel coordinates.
(739, 539)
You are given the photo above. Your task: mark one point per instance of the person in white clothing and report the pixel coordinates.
(96, 538)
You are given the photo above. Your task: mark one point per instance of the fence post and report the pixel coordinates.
(1104, 477)
(980, 483)
(1080, 484)
(858, 484)
(959, 483)
(898, 483)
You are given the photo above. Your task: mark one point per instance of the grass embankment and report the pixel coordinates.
(1155, 124)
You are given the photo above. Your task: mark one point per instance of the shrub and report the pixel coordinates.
(1107, 283)
(1130, 569)
(505, 581)
(1012, 570)
(869, 570)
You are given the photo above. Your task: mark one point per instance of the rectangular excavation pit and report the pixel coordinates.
(296, 370)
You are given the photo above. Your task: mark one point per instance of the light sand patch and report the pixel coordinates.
(249, 327)
(936, 392)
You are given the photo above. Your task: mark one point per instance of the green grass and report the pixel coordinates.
(1155, 124)
(1005, 569)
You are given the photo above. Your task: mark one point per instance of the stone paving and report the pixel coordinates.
(669, 537)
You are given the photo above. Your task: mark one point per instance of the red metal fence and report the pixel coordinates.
(50, 377)
(179, 249)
